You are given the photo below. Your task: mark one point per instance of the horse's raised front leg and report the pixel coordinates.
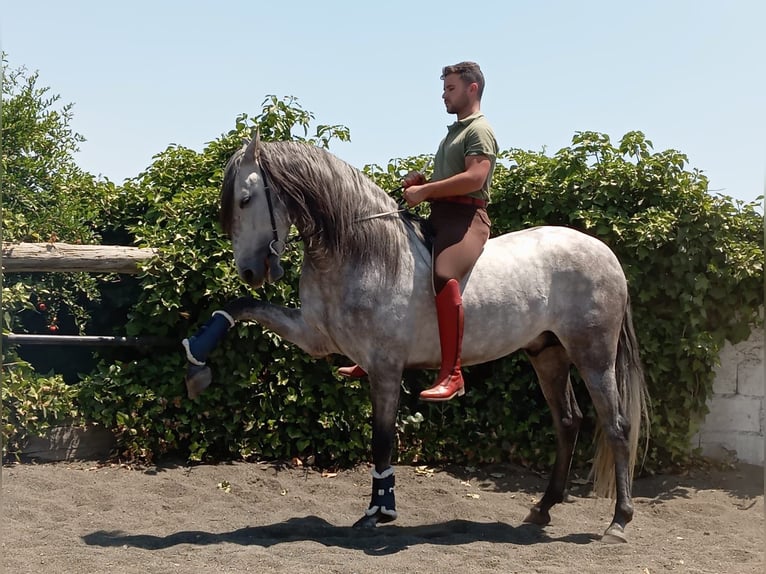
(285, 322)
(384, 391)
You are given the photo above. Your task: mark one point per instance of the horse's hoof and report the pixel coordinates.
(198, 378)
(373, 520)
(615, 534)
(537, 516)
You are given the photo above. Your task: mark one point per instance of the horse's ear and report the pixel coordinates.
(254, 147)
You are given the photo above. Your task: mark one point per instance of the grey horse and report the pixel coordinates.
(366, 293)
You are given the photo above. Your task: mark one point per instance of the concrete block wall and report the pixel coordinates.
(735, 427)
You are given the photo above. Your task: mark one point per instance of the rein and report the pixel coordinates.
(382, 214)
(402, 202)
(402, 208)
(361, 219)
(277, 247)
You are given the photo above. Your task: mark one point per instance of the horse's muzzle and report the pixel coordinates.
(252, 278)
(256, 272)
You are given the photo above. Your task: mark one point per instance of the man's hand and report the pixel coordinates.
(414, 195)
(413, 178)
(413, 188)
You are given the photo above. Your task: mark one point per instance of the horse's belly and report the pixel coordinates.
(493, 329)
(529, 282)
(498, 320)
(524, 283)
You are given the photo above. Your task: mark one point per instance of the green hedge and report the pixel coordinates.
(693, 261)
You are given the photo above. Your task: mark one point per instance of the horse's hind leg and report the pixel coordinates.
(611, 467)
(552, 368)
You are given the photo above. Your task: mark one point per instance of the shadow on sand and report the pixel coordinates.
(380, 541)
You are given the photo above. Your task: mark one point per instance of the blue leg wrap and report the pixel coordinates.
(383, 499)
(201, 344)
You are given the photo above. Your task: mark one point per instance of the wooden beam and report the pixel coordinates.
(47, 257)
(88, 340)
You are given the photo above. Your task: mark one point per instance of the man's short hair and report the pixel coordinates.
(469, 72)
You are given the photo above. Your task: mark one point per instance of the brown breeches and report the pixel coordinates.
(460, 232)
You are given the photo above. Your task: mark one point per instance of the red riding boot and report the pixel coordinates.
(449, 312)
(352, 372)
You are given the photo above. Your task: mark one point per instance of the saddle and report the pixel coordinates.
(422, 228)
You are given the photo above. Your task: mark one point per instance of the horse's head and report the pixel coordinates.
(254, 217)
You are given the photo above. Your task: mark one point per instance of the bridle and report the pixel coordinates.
(276, 247)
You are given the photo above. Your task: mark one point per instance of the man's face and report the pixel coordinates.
(456, 93)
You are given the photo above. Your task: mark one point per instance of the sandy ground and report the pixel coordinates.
(255, 517)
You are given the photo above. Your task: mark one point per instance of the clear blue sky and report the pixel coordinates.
(142, 75)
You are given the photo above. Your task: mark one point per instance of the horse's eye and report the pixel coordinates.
(244, 201)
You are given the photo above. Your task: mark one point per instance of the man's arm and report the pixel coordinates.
(472, 179)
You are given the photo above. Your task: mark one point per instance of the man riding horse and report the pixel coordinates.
(458, 192)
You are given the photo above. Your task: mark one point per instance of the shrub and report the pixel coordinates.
(693, 262)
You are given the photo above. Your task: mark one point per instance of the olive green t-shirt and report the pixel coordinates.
(469, 136)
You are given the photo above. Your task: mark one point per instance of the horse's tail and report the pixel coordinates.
(633, 404)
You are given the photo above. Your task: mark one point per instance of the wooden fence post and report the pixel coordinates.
(49, 257)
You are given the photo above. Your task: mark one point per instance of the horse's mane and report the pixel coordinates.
(328, 200)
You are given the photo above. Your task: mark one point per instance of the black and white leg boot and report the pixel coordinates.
(383, 501)
(199, 346)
